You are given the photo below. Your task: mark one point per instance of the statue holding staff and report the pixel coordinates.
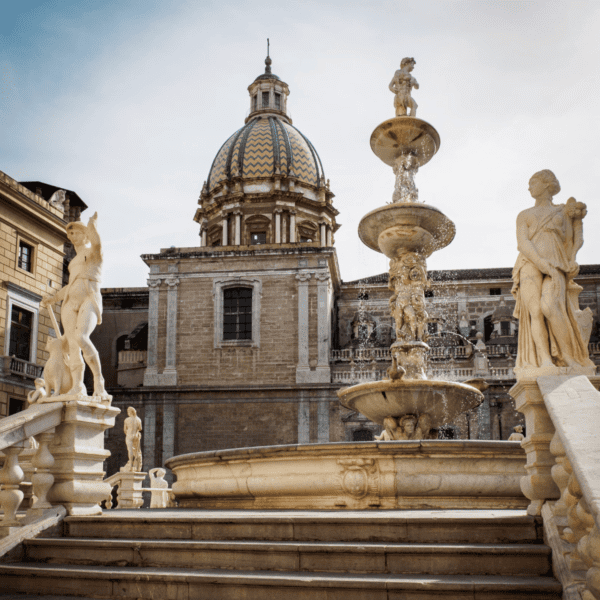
(82, 306)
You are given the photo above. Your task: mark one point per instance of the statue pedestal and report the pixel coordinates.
(79, 454)
(130, 489)
(538, 485)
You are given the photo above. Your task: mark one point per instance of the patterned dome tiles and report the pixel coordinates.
(263, 144)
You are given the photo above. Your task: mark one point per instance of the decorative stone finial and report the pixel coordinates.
(268, 60)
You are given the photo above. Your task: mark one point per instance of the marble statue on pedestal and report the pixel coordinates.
(553, 331)
(517, 434)
(401, 86)
(132, 428)
(82, 308)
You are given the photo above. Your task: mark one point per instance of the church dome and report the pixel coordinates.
(265, 147)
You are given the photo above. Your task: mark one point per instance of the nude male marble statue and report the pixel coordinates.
(401, 86)
(82, 306)
(553, 332)
(132, 427)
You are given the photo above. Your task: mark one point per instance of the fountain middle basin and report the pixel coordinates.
(441, 400)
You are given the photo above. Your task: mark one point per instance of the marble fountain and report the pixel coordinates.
(408, 467)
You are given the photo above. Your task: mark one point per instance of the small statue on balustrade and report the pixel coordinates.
(159, 499)
(517, 434)
(132, 428)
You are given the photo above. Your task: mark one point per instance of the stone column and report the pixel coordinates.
(329, 237)
(292, 226)
(149, 435)
(170, 372)
(225, 224)
(323, 236)
(323, 421)
(151, 373)
(78, 451)
(238, 227)
(278, 226)
(168, 433)
(203, 237)
(323, 328)
(538, 484)
(303, 367)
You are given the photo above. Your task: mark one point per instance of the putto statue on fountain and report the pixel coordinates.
(553, 331)
(401, 86)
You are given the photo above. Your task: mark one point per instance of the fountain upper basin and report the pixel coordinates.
(401, 227)
(401, 135)
(441, 400)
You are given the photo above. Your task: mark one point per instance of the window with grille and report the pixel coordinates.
(260, 237)
(265, 99)
(237, 314)
(278, 101)
(21, 325)
(25, 256)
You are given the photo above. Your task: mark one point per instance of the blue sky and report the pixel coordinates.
(128, 102)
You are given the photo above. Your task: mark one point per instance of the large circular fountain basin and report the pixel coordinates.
(396, 228)
(412, 474)
(400, 135)
(441, 400)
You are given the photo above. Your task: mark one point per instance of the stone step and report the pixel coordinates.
(127, 582)
(394, 526)
(459, 559)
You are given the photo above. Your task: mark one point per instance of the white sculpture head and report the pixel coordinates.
(77, 234)
(542, 181)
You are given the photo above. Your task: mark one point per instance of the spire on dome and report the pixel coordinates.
(268, 60)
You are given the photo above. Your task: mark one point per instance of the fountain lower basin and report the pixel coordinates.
(413, 474)
(442, 400)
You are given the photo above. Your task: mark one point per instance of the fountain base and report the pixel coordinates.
(414, 474)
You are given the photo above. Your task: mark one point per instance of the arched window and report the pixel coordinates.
(237, 313)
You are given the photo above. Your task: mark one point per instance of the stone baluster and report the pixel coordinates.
(589, 549)
(42, 479)
(11, 496)
(560, 475)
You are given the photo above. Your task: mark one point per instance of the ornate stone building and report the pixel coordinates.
(245, 339)
(34, 252)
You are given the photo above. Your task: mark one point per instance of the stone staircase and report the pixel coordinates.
(293, 555)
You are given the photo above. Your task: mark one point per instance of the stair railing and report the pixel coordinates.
(563, 447)
(38, 421)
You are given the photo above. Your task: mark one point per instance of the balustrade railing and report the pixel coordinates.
(22, 368)
(563, 483)
(132, 356)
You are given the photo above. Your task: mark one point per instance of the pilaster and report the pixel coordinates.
(169, 376)
(151, 374)
(303, 367)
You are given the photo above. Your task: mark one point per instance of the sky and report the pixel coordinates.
(127, 103)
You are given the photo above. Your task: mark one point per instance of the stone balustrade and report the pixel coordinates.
(128, 357)
(11, 365)
(66, 466)
(563, 481)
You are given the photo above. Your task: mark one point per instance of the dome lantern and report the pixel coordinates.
(268, 95)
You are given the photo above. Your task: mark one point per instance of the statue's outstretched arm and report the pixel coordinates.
(92, 233)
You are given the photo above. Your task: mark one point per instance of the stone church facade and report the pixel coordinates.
(245, 339)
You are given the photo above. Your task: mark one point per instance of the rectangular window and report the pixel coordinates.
(278, 101)
(504, 328)
(25, 261)
(15, 405)
(237, 314)
(255, 102)
(495, 291)
(265, 99)
(432, 328)
(21, 324)
(257, 238)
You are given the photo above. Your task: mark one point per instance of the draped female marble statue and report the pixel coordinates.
(82, 307)
(553, 332)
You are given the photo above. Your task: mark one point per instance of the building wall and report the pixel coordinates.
(28, 217)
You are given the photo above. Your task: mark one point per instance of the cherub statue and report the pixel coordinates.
(401, 85)
(132, 428)
(159, 499)
(405, 168)
(423, 430)
(39, 393)
(390, 430)
(517, 435)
